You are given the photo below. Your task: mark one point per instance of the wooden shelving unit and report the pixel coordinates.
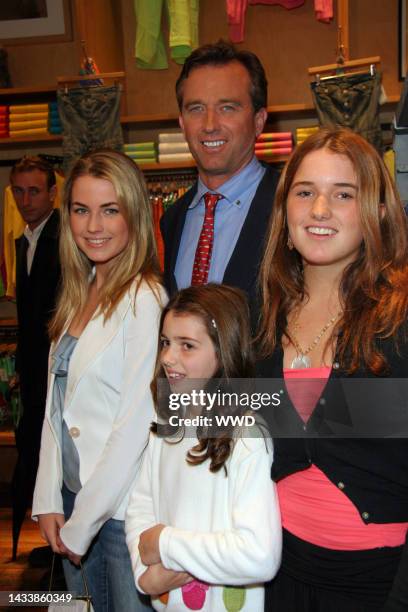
(36, 94)
(277, 109)
(28, 95)
(26, 91)
(32, 140)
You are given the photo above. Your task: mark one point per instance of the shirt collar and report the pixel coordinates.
(232, 189)
(33, 235)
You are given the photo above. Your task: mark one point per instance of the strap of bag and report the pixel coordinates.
(85, 597)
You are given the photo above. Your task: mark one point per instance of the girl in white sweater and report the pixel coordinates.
(203, 518)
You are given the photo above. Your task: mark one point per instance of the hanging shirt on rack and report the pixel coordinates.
(236, 10)
(90, 117)
(183, 36)
(352, 101)
(288, 4)
(324, 10)
(150, 50)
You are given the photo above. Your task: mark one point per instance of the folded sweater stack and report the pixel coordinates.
(304, 132)
(4, 121)
(173, 147)
(54, 121)
(141, 152)
(271, 144)
(28, 119)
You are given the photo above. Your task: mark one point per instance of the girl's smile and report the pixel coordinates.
(322, 210)
(97, 222)
(187, 349)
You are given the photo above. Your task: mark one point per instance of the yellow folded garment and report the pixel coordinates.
(389, 160)
(173, 147)
(27, 116)
(144, 160)
(138, 146)
(31, 132)
(175, 157)
(28, 108)
(172, 137)
(306, 131)
(28, 125)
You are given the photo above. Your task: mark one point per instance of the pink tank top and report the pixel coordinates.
(312, 507)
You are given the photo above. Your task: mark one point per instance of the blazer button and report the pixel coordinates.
(74, 432)
(365, 515)
(341, 485)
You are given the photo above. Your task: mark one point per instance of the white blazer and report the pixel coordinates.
(108, 408)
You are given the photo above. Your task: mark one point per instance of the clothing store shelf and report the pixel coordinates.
(32, 139)
(163, 117)
(7, 438)
(7, 321)
(156, 120)
(169, 118)
(275, 109)
(278, 159)
(274, 159)
(173, 166)
(23, 91)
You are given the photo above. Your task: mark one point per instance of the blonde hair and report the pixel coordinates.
(139, 256)
(374, 287)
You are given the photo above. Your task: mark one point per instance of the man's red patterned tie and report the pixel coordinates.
(202, 257)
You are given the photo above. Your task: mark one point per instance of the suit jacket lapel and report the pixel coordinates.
(21, 259)
(43, 251)
(178, 230)
(92, 342)
(246, 255)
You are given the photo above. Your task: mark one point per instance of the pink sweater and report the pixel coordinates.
(236, 10)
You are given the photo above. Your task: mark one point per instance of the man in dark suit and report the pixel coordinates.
(37, 278)
(222, 96)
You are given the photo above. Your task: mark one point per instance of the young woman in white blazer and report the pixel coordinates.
(99, 405)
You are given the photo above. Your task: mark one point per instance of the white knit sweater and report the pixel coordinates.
(224, 530)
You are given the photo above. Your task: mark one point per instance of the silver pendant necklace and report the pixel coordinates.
(302, 361)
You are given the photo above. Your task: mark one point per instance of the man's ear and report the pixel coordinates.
(181, 122)
(260, 120)
(53, 193)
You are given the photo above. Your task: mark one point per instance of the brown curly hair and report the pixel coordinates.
(224, 312)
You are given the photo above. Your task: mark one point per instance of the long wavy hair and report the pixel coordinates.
(137, 260)
(374, 287)
(224, 312)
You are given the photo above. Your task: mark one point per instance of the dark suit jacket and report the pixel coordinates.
(242, 268)
(36, 295)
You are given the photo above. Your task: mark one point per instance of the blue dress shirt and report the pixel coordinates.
(230, 214)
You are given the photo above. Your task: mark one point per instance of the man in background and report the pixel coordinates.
(215, 232)
(37, 279)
